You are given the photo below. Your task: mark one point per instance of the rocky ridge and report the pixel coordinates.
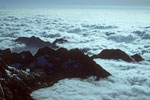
(118, 54)
(21, 73)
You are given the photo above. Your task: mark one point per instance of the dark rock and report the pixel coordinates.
(60, 41)
(44, 51)
(34, 42)
(7, 51)
(6, 55)
(84, 50)
(16, 60)
(11, 86)
(2, 94)
(22, 60)
(67, 64)
(137, 58)
(115, 54)
(47, 67)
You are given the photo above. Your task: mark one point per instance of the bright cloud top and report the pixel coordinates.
(90, 30)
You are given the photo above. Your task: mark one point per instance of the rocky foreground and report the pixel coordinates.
(22, 73)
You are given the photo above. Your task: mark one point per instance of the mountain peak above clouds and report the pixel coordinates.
(46, 68)
(118, 54)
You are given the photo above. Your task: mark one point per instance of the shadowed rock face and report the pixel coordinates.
(17, 60)
(47, 67)
(115, 54)
(18, 84)
(70, 64)
(7, 56)
(12, 87)
(34, 42)
(118, 54)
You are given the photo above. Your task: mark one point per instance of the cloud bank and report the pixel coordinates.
(91, 31)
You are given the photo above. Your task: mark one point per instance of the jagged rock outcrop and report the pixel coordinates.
(34, 42)
(117, 54)
(46, 67)
(12, 86)
(18, 84)
(137, 58)
(67, 64)
(17, 60)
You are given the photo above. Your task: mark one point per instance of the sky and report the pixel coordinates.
(50, 3)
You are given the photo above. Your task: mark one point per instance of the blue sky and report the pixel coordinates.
(48, 3)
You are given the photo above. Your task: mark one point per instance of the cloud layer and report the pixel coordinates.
(91, 31)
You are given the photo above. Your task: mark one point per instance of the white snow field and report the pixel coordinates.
(90, 30)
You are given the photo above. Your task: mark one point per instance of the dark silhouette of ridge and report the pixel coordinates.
(47, 67)
(34, 42)
(137, 58)
(117, 54)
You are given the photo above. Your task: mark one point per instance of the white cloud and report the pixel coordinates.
(92, 30)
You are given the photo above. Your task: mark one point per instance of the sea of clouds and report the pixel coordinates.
(90, 30)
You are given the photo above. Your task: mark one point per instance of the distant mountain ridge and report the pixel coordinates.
(36, 42)
(118, 54)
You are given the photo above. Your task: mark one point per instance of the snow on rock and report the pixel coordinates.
(13, 86)
(48, 67)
